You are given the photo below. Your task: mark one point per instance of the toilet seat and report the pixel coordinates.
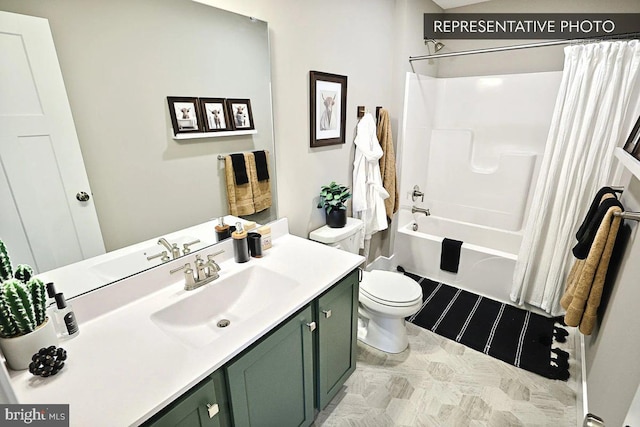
(390, 289)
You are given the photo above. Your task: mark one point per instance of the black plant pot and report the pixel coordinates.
(337, 218)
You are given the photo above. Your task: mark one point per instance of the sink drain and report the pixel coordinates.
(224, 323)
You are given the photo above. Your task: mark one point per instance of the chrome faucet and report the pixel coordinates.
(417, 193)
(186, 247)
(173, 249)
(415, 209)
(205, 272)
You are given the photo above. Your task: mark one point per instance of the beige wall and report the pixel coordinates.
(519, 61)
(612, 350)
(362, 39)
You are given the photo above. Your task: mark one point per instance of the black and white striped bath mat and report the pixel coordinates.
(515, 336)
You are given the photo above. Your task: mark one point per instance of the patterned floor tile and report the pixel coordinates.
(438, 382)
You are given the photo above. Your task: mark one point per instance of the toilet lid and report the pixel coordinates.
(390, 288)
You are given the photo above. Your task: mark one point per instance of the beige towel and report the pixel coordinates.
(261, 189)
(586, 279)
(239, 197)
(576, 271)
(388, 164)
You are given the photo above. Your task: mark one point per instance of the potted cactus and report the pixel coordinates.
(24, 325)
(333, 198)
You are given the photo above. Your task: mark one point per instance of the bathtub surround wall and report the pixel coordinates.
(483, 195)
(472, 145)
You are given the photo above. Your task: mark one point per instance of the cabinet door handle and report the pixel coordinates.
(312, 326)
(212, 409)
(327, 313)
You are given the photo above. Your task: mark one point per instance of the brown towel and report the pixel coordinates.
(388, 164)
(261, 189)
(586, 279)
(240, 197)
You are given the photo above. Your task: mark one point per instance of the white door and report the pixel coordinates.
(43, 221)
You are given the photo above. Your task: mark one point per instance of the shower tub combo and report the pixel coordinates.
(487, 256)
(473, 145)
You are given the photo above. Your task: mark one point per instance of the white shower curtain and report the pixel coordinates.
(598, 91)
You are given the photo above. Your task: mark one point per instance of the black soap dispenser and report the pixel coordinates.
(240, 244)
(65, 319)
(222, 230)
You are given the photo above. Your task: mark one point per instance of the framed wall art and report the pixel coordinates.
(240, 114)
(214, 115)
(328, 108)
(185, 114)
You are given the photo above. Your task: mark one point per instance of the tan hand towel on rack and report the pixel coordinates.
(586, 279)
(239, 197)
(261, 189)
(388, 164)
(576, 269)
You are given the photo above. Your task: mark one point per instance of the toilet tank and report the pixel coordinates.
(346, 238)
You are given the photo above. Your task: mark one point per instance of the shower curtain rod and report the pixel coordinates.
(520, 46)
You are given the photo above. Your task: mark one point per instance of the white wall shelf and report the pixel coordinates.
(196, 135)
(628, 161)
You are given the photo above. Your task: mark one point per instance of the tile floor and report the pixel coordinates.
(438, 382)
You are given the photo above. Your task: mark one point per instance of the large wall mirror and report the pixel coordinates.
(120, 60)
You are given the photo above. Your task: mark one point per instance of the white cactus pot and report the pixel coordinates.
(18, 350)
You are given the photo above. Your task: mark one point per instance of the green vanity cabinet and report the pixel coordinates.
(272, 384)
(286, 376)
(337, 329)
(204, 405)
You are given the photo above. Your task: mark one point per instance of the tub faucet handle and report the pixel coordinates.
(417, 193)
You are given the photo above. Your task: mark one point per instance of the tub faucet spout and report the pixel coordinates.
(415, 209)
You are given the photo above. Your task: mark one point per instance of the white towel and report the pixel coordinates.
(368, 191)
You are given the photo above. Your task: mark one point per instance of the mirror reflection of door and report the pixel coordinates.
(46, 219)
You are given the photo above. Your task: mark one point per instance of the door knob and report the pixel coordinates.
(327, 313)
(312, 326)
(82, 196)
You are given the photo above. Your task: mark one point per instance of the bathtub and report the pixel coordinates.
(487, 256)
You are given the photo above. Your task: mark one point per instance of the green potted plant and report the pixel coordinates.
(333, 198)
(24, 325)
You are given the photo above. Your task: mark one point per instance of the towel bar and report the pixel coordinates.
(634, 216)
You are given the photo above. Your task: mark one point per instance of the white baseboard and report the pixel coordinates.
(582, 401)
(382, 263)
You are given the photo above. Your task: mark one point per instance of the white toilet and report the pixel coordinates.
(386, 298)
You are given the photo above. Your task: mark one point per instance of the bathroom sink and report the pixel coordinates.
(196, 319)
(136, 261)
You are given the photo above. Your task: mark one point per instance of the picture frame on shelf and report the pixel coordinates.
(328, 108)
(185, 114)
(240, 114)
(632, 146)
(215, 117)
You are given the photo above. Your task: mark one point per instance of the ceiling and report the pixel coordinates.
(450, 4)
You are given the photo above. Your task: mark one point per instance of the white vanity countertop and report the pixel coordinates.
(122, 368)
